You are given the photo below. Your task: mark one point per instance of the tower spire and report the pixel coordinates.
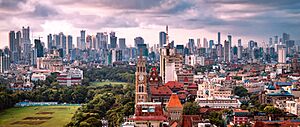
(167, 36)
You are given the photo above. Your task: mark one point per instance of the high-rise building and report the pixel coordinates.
(122, 43)
(113, 40)
(39, 48)
(239, 42)
(12, 45)
(199, 43)
(285, 38)
(4, 61)
(138, 41)
(219, 37)
(26, 45)
(275, 39)
(18, 42)
(270, 41)
(281, 54)
(102, 39)
(82, 39)
(205, 43)
(12, 40)
(62, 44)
(49, 42)
(227, 51)
(211, 43)
(70, 44)
(88, 42)
(162, 38)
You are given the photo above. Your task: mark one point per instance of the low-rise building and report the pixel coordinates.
(70, 77)
(148, 114)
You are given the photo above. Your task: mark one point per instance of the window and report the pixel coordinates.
(141, 88)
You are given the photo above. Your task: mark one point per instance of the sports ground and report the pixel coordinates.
(37, 116)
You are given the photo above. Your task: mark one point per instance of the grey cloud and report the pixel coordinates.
(44, 11)
(11, 4)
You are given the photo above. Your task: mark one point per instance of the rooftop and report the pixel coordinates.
(174, 102)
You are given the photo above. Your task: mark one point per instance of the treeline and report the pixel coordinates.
(111, 103)
(119, 74)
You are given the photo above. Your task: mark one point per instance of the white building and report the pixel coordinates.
(171, 72)
(292, 107)
(70, 77)
(215, 96)
(281, 54)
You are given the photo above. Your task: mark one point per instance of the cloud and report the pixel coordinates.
(11, 4)
(43, 11)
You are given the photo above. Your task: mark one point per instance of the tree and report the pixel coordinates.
(240, 91)
(191, 108)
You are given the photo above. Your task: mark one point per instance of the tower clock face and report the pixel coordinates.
(141, 77)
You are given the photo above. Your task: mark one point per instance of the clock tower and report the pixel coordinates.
(141, 90)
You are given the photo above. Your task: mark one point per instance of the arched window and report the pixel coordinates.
(141, 88)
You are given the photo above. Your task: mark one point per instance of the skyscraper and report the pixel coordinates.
(82, 39)
(18, 46)
(39, 48)
(49, 42)
(211, 43)
(69, 44)
(12, 40)
(219, 37)
(281, 54)
(4, 61)
(270, 41)
(113, 40)
(285, 38)
(240, 49)
(122, 43)
(26, 45)
(227, 51)
(12, 45)
(275, 39)
(138, 41)
(162, 38)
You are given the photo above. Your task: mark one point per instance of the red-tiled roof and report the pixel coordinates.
(174, 102)
(160, 90)
(188, 120)
(174, 84)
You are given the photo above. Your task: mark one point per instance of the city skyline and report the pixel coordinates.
(256, 20)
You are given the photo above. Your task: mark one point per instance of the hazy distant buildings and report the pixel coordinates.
(39, 48)
(50, 42)
(162, 38)
(227, 51)
(4, 61)
(138, 41)
(122, 43)
(219, 37)
(26, 45)
(113, 40)
(82, 39)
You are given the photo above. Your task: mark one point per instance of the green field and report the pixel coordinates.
(37, 116)
(107, 83)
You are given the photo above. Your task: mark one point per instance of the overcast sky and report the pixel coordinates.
(254, 19)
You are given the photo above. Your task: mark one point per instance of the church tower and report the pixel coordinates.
(141, 90)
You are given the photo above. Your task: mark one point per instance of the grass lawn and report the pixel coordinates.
(37, 116)
(107, 83)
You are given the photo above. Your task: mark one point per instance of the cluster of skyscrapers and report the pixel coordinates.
(106, 48)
